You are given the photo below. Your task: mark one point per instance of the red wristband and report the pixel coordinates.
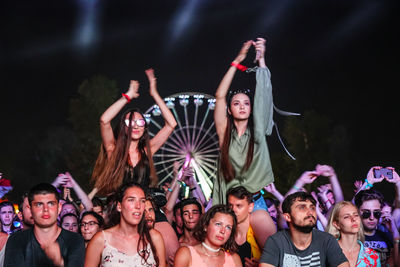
(127, 97)
(239, 66)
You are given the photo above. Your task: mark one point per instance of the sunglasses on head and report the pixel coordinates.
(367, 213)
(139, 122)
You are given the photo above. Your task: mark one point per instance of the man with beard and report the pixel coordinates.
(191, 211)
(302, 244)
(166, 230)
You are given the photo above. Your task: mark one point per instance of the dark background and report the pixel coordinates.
(338, 58)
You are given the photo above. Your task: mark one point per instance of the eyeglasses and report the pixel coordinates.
(139, 122)
(367, 213)
(91, 223)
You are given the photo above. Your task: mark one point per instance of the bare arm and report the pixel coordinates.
(328, 171)
(94, 250)
(85, 200)
(371, 180)
(182, 257)
(160, 247)
(272, 190)
(266, 265)
(220, 118)
(170, 123)
(106, 131)
(306, 178)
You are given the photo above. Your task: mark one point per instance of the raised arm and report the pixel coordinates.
(329, 172)
(84, 198)
(105, 120)
(369, 181)
(220, 118)
(263, 100)
(306, 178)
(170, 123)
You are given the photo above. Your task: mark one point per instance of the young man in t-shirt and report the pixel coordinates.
(45, 244)
(369, 204)
(301, 244)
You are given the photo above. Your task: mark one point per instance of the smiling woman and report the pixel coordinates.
(127, 156)
(130, 242)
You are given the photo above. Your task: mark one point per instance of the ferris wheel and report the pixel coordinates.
(194, 140)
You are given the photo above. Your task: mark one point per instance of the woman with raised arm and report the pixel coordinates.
(126, 156)
(130, 242)
(345, 224)
(216, 232)
(241, 128)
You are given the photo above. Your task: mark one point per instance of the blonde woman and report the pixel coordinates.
(345, 224)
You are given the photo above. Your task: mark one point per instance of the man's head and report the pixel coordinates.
(149, 211)
(369, 204)
(191, 211)
(299, 211)
(241, 202)
(7, 213)
(178, 217)
(91, 222)
(25, 210)
(44, 203)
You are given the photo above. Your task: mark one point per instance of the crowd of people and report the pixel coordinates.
(127, 220)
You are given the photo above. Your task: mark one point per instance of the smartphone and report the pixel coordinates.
(387, 173)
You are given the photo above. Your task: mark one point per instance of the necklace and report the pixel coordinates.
(205, 252)
(210, 248)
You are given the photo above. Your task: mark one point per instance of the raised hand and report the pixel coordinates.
(357, 184)
(308, 177)
(259, 45)
(243, 52)
(133, 90)
(152, 80)
(270, 188)
(371, 177)
(396, 178)
(61, 179)
(325, 170)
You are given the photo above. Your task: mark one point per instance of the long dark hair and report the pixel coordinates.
(200, 234)
(143, 230)
(108, 173)
(226, 166)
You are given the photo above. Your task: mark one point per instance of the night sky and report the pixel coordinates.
(339, 58)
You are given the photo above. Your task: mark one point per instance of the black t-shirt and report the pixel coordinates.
(22, 249)
(324, 250)
(382, 243)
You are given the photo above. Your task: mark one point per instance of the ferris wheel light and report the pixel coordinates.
(156, 110)
(170, 102)
(147, 118)
(183, 100)
(211, 103)
(198, 100)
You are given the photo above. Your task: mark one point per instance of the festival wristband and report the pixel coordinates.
(239, 66)
(126, 97)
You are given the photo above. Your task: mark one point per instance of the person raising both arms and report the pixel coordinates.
(242, 128)
(127, 155)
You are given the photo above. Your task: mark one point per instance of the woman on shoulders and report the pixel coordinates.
(126, 156)
(216, 232)
(345, 224)
(242, 126)
(130, 242)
